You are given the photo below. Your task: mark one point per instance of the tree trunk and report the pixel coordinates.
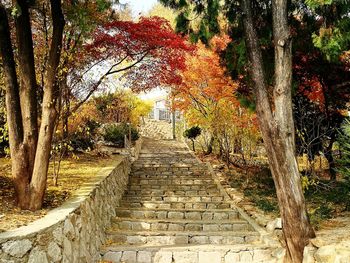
(330, 159)
(210, 145)
(277, 127)
(49, 114)
(193, 145)
(28, 87)
(20, 171)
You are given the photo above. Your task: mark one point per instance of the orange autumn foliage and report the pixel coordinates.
(207, 94)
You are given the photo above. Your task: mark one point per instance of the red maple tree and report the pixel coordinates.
(147, 54)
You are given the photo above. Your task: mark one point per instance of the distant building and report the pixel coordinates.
(161, 110)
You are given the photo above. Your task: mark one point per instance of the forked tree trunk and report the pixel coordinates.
(30, 169)
(277, 127)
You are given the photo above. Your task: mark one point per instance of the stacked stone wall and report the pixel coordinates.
(75, 231)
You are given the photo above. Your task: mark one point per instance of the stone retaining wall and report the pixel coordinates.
(73, 232)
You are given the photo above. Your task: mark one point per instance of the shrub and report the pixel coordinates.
(192, 133)
(343, 163)
(83, 137)
(115, 133)
(4, 140)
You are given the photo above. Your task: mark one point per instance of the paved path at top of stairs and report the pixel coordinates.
(174, 212)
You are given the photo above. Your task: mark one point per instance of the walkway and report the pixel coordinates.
(174, 212)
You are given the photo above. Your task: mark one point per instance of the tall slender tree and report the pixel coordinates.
(277, 125)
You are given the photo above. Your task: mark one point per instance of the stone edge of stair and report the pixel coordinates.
(267, 238)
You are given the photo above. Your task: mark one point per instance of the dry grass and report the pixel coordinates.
(325, 199)
(74, 173)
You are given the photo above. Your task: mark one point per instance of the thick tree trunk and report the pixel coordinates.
(277, 128)
(49, 114)
(28, 87)
(20, 169)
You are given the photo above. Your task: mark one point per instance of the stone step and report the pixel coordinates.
(194, 198)
(179, 225)
(171, 181)
(190, 254)
(168, 170)
(167, 174)
(168, 177)
(182, 237)
(193, 214)
(167, 167)
(146, 165)
(173, 159)
(182, 187)
(145, 192)
(177, 205)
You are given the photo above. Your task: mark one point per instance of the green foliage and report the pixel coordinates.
(193, 132)
(4, 139)
(313, 4)
(343, 163)
(323, 212)
(83, 138)
(115, 133)
(206, 14)
(331, 42)
(267, 205)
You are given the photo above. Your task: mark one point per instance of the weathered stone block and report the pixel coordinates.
(199, 240)
(129, 257)
(325, 254)
(211, 227)
(144, 257)
(175, 215)
(185, 257)
(232, 257)
(246, 256)
(193, 215)
(37, 256)
(54, 252)
(163, 257)
(112, 256)
(209, 257)
(17, 248)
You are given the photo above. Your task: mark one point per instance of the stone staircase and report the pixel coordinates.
(173, 211)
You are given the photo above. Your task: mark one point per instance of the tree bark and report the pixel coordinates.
(28, 87)
(20, 169)
(277, 127)
(328, 154)
(210, 145)
(49, 114)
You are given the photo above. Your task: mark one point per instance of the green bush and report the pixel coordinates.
(83, 139)
(193, 132)
(115, 134)
(4, 140)
(343, 163)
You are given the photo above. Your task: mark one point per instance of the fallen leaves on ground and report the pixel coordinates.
(74, 173)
